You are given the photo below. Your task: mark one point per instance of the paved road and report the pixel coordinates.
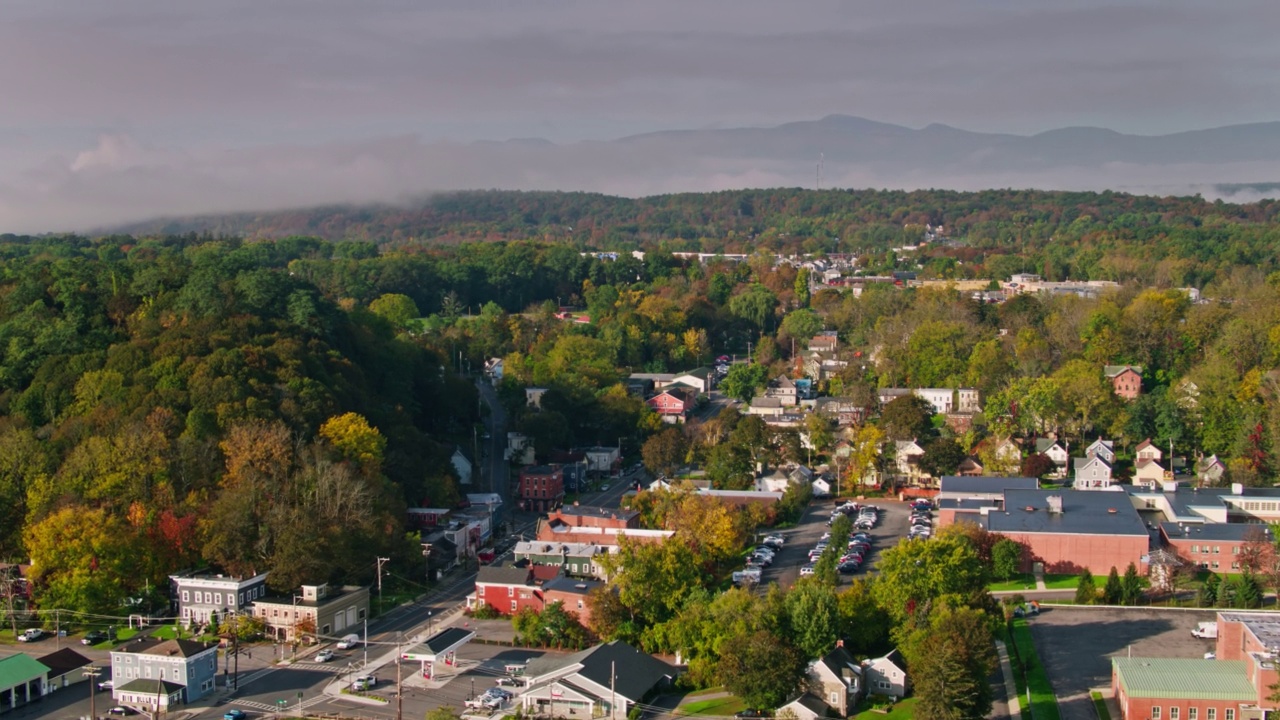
(498, 471)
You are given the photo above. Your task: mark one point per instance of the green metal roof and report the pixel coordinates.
(1184, 679)
(20, 668)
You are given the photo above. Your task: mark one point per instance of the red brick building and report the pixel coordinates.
(541, 487)
(1126, 380)
(1234, 685)
(572, 593)
(594, 516)
(1069, 531)
(1213, 546)
(507, 589)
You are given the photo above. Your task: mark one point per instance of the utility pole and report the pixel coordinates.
(57, 629)
(380, 561)
(91, 672)
(399, 694)
(366, 640)
(613, 693)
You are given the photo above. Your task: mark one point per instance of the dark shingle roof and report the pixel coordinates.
(985, 483)
(145, 686)
(503, 575)
(63, 661)
(180, 648)
(1083, 513)
(635, 672)
(1221, 532)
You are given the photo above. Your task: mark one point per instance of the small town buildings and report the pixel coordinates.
(577, 560)
(605, 681)
(603, 460)
(836, 678)
(1054, 451)
(578, 516)
(805, 706)
(1126, 380)
(942, 399)
(198, 596)
(493, 370)
(1069, 531)
(1148, 473)
(825, 341)
(971, 466)
(886, 675)
(318, 609)
(152, 674)
(519, 450)
(66, 667)
(907, 454)
(441, 647)
(674, 403)
(843, 411)
(1104, 449)
(700, 379)
(533, 396)
(1147, 450)
(461, 465)
(1092, 473)
(572, 594)
(784, 389)
(541, 488)
(1210, 470)
(1000, 456)
(22, 680)
(766, 406)
(507, 589)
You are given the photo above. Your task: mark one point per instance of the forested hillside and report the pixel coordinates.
(1112, 236)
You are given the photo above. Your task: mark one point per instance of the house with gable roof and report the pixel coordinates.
(1092, 473)
(1126, 380)
(1102, 448)
(1053, 450)
(886, 675)
(784, 389)
(605, 681)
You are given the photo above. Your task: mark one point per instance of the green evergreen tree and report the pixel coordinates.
(1248, 593)
(1112, 592)
(1131, 586)
(1086, 589)
(1209, 591)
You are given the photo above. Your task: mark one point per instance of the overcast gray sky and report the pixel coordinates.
(118, 110)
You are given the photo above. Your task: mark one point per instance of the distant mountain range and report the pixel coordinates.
(1239, 162)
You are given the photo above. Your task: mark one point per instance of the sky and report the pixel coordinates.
(122, 110)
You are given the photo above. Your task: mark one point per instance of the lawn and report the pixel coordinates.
(903, 710)
(1100, 705)
(722, 706)
(1062, 582)
(1022, 581)
(1044, 704)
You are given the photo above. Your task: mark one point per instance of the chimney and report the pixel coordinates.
(1055, 504)
(1237, 488)
(839, 643)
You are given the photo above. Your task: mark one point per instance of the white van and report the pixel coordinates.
(348, 641)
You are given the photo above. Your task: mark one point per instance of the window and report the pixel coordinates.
(1217, 549)
(1195, 549)
(1235, 564)
(883, 685)
(511, 591)
(480, 591)
(513, 606)
(1235, 549)
(1173, 712)
(1229, 714)
(1215, 564)
(1211, 714)
(834, 699)
(186, 597)
(1155, 712)
(1192, 713)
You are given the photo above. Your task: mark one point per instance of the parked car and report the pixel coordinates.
(774, 541)
(31, 635)
(233, 715)
(752, 714)
(93, 637)
(324, 655)
(806, 570)
(107, 685)
(848, 568)
(122, 711)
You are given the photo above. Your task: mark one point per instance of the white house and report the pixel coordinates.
(605, 681)
(1055, 452)
(533, 396)
(493, 369)
(784, 389)
(886, 675)
(907, 456)
(462, 465)
(942, 399)
(1147, 450)
(1148, 473)
(1210, 470)
(699, 379)
(1092, 473)
(821, 487)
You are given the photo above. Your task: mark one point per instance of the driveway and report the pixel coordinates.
(1076, 646)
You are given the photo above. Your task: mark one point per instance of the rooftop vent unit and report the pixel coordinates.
(1030, 508)
(1112, 511)
(1055, 503)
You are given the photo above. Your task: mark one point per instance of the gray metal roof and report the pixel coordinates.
(1264, 626)
(1224, 532)
(1083, 513)
(985, 483)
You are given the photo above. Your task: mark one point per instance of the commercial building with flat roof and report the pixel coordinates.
(1070, 531)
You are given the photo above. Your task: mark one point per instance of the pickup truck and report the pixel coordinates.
(31, 635)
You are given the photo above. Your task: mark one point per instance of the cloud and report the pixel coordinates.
(203, 106)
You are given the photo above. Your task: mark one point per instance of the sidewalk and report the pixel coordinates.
(1010, 688)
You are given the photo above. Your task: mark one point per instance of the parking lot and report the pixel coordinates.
(785, 570)
(1076, 646)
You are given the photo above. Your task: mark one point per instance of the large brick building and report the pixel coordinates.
(1234, 685)
(541, 487)
(1070, 531)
